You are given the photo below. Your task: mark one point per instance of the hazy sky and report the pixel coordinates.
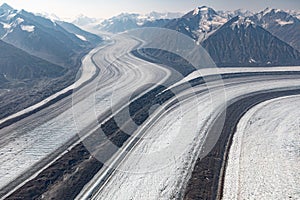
(108, 8)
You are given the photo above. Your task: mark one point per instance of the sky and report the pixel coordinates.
(69, 9)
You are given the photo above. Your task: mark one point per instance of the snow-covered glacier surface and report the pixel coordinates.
(264, 158)
(157, 167)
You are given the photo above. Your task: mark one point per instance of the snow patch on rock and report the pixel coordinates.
(242, 22)
(267, 11)
(81, 37)
(252, 60)
(10, 16)
(19, 20)
(196, 11)
(5, 25)
(283, 23)
(27, 28)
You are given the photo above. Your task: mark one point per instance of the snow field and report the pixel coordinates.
(264, 158)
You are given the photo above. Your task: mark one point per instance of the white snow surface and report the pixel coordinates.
(204, 9)
(159, 163)
(53, 17)
(5, 25)
(27, 145)
(282, 23)
(27, 28)
(157, 167)
(31, 145)
(19, 20)
(82, 20)
(210, 20)
(264, 158)
(81, 37)
(196, 11)
(242, 22)
(10, 16)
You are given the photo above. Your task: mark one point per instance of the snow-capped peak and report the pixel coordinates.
(209, 19)
(200, 9)
(86, 22)
(239, 12)
(203, 21)
(270, 10)
(267, 11)
(126, 16)
(196, 11)
(127, 21)
(50, 16)
(204, 10)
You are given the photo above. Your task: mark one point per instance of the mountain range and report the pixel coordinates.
(36, 40)
(270, 37)
(240, 42)
(126, 21)
(281, 24)
(41, 37)
(232, 38)
(40, 53)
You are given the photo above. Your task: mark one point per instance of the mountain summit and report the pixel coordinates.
(240, 42)
(198, 23)
(204, 10)
(6, 7)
